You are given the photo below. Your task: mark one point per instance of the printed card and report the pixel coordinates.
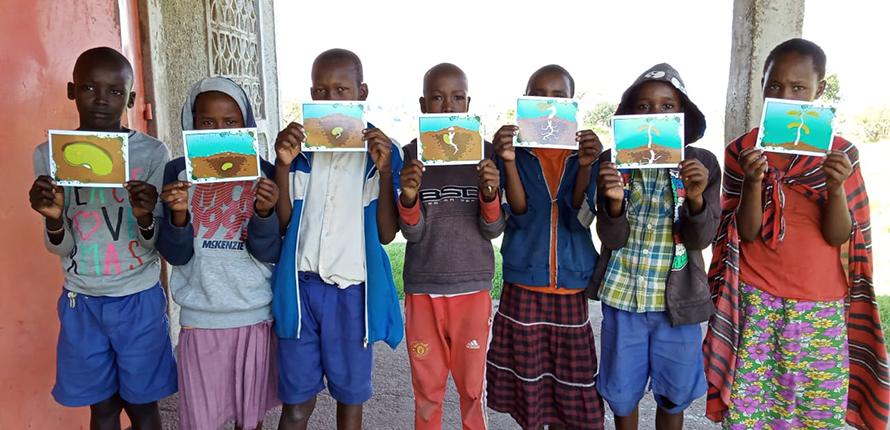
(450, 139)
(547, 122)
(334, 126)
(648, 141)
(89, 159)
(221, 155)
(796, 127)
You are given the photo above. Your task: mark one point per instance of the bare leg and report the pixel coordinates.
(666, 421)
(106, 415)
(349, 417)
(296, 417)
(144, 416)
(629, 422)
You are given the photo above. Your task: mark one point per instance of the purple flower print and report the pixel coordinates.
(768, 375)
(747, 405)
(771, 301)
(788, 395)
(763, 337)
(763, 323)
(796, 422)
(751, 310)
(778, 424)
(824, 402)
(748, 289)
(834, 332)
(793, 347)
(827, 351)
(752, 390)
(819, 415)
(804, 306)
(750, 377)
(786, 380)
(826, 312)
(758, 426)
(846, 362)
(738, 426)
(792, 331)
(777, 356)
(831, 384)
(768, 404)
(759, 352)
(823, 365)
(807, 328)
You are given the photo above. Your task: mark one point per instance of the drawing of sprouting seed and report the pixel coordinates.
(801, 115)
(652, 157)
(649, 130)
(449, 139)
(549, 127)
(337, 132)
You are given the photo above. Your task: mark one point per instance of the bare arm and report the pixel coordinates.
(589, 150)
(749, 214)
(380, 147)
(836, 221)
(287, 147)
(503, 145)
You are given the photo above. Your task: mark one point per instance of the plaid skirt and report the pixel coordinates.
(541, 364)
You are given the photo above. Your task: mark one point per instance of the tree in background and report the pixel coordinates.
(874, 123)
(599, 119)
(291, 111)
(832, 93)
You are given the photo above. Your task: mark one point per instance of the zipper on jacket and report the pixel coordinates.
(552, 233)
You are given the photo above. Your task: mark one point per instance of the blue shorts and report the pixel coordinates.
(111, 345)
(641, 347)
(330, 346)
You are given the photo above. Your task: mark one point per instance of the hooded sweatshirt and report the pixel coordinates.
(222, 256)
(687, 297)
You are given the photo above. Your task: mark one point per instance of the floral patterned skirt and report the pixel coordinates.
(793, 368)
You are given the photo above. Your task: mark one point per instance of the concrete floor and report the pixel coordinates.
(392, 406)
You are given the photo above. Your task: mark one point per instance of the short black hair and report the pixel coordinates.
(554, 68)
(337, 54)
(799, 46)
(104, 56)
(442, 68)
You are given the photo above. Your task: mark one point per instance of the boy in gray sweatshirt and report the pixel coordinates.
(449, 265)
(114, 349)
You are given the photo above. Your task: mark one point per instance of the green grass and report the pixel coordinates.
(396, 251)
(884, 308)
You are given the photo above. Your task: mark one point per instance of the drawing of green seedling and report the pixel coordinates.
(801, 115)
(337, 132)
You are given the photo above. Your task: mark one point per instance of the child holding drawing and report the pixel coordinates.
(651, 277)
(333, 290)
(542, 357)
(114, 348)
(221, 239)
(449, 265)
(794, 245)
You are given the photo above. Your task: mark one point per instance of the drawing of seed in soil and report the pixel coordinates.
(221, 155)
(796, 127)
(648, 140)
(450, 139)
(547, 122)
(89, 159)
(334, 126)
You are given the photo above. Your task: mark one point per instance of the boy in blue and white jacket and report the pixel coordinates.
(333, 286)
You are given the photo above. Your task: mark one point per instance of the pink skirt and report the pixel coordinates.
(227, 374)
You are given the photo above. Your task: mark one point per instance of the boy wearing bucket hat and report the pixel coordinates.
(651, 277)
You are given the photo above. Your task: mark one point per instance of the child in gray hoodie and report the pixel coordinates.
(221, 239)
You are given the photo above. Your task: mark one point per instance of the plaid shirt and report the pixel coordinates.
(636, 276)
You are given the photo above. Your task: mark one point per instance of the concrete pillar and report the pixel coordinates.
(757, 27)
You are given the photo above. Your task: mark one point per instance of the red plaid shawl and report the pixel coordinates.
(869, 392)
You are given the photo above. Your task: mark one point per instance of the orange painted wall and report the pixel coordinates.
(39, 42)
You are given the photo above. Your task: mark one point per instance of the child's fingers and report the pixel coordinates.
(488, 162)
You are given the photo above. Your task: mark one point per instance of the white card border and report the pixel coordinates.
(682, 132)
(759, 142)
(519, 144)
(305, 147)
(450, 163)
(188, 161)
(102, 134)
